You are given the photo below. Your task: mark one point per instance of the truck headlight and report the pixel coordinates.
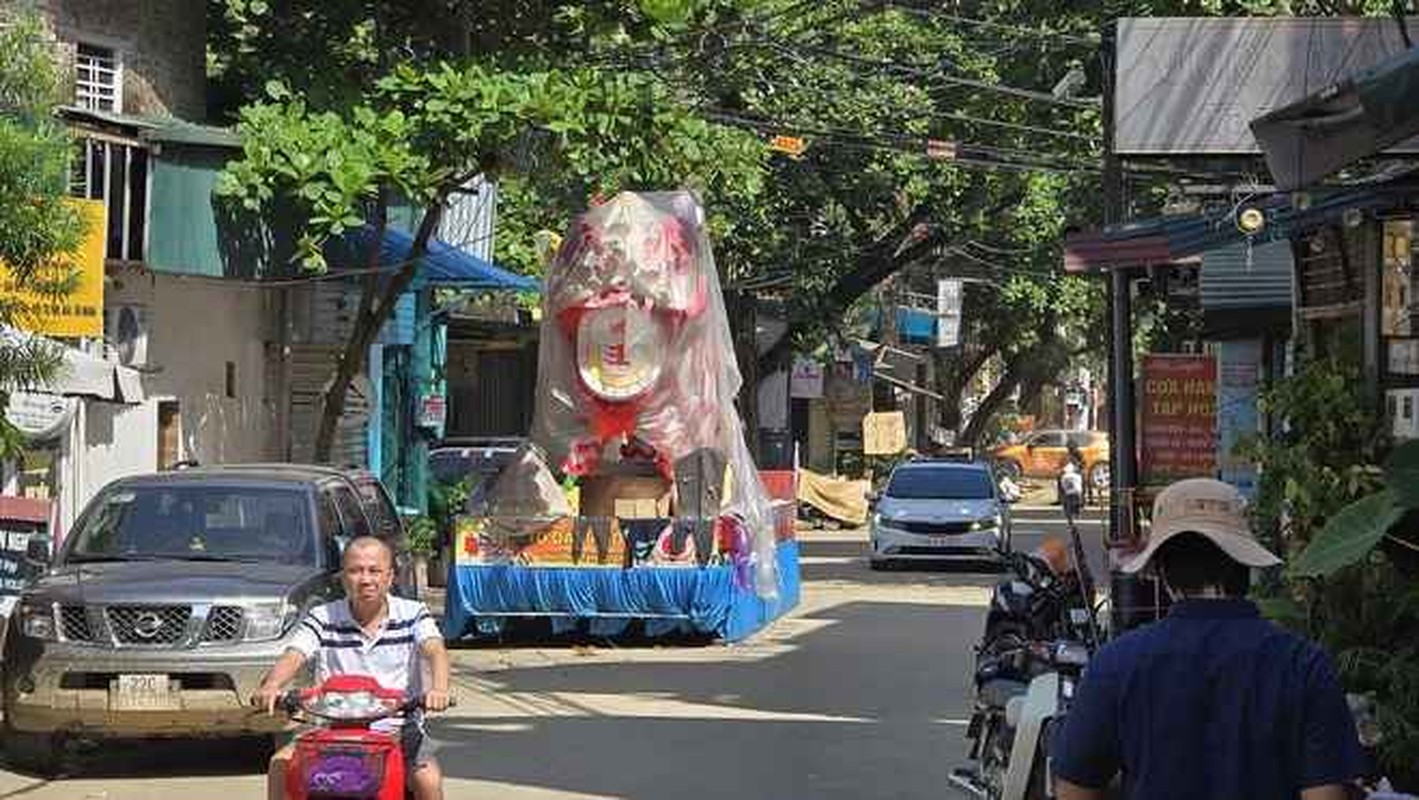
(266, 621)
(37, 622)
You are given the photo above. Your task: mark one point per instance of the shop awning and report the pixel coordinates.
(1351, 120)
(444, 264)
(1182, 239)
(80, 374)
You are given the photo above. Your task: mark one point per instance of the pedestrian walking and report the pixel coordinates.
(1212, 702)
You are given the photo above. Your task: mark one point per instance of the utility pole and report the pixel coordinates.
(1123, 466)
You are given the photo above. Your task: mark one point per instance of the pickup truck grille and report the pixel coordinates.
(74, 624)
(223, 624)
(149, 625)
(156, 626)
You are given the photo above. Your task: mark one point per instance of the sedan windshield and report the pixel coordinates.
(940, 484)
(195, 523)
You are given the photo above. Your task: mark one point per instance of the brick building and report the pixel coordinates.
(146, 58)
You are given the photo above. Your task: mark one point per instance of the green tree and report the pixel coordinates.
(420, 132)
(38, 227)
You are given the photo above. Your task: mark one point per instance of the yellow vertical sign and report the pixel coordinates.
(79, 313)
(884, 433)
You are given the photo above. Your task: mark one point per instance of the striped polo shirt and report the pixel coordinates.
(390, 655)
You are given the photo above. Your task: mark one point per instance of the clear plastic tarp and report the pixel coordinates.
(637, 362)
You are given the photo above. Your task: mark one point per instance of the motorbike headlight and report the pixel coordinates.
(265, 621)
(37, 622)
(1071, 654)
(350, 705)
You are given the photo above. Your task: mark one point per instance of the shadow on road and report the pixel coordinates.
(873, 689)
(160, 758)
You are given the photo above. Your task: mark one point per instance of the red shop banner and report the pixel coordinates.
(1179, 424)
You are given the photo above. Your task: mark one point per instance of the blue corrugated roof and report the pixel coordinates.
(444, 264)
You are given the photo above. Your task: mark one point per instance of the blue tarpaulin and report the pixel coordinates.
(914, 326)
(668, 599)
(444, 264)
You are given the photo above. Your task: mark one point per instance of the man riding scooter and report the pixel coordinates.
(392, 640)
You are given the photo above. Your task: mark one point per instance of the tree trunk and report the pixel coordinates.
(1016, 370)
(894, 250)
(368, 322)
(743, 326)
(953, 375)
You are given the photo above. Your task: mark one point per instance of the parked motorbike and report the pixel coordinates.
(1040, 632)
(343, 756)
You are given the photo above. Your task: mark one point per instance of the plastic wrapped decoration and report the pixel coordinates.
(523, 501)
(636, 353)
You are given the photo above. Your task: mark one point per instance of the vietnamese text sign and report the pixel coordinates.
(806, 382)
(1179, 413)
(1238, 380)
(79, 313)
(884, 433)
(948, 313)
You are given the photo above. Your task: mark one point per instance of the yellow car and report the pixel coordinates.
(1043, 454)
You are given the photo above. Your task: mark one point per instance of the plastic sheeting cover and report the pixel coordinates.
(636, 345)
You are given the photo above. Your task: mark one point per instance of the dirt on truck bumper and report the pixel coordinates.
(75, 690)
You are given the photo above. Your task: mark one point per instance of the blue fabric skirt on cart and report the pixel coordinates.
(704, 600)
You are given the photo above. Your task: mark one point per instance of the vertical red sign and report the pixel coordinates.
(1179, 418)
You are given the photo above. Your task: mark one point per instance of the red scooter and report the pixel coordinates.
(345, 758)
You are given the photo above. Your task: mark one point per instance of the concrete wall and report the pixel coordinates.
(197, 326)
(161, 44)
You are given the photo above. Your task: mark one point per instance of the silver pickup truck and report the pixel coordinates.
(171, 598)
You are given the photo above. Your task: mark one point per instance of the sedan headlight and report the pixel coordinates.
(37, 622)
(266, 621)
(986, 523)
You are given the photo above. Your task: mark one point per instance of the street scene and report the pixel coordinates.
(702, 398)
(864, 689)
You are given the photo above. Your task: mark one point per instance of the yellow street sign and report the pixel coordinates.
(792, 145)
(79, 313)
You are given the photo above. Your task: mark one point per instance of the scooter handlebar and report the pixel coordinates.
(290, 702)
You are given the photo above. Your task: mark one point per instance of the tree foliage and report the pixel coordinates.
(423, 129)
(38, 227)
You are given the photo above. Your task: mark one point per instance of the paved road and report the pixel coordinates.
(861, 692)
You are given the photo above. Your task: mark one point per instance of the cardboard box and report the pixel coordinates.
(637, 496)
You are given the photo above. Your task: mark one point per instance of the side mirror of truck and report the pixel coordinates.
(40, 549)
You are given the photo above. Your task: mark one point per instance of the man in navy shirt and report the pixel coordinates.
(1212, 702)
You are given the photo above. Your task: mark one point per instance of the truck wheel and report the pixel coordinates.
(35, 753)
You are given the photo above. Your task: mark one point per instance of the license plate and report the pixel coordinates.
(147, 692)
(938, 541)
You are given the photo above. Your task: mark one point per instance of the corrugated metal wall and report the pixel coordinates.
(1232, 280)
(490, 391)
(323, 314)
(468, 219)
(311, 368)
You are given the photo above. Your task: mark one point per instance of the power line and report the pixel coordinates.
(965, 154)
(931, 13)
(925, 73)
(1018, 126)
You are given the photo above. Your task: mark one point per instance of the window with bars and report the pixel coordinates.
(117, 174)
(97, 78)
